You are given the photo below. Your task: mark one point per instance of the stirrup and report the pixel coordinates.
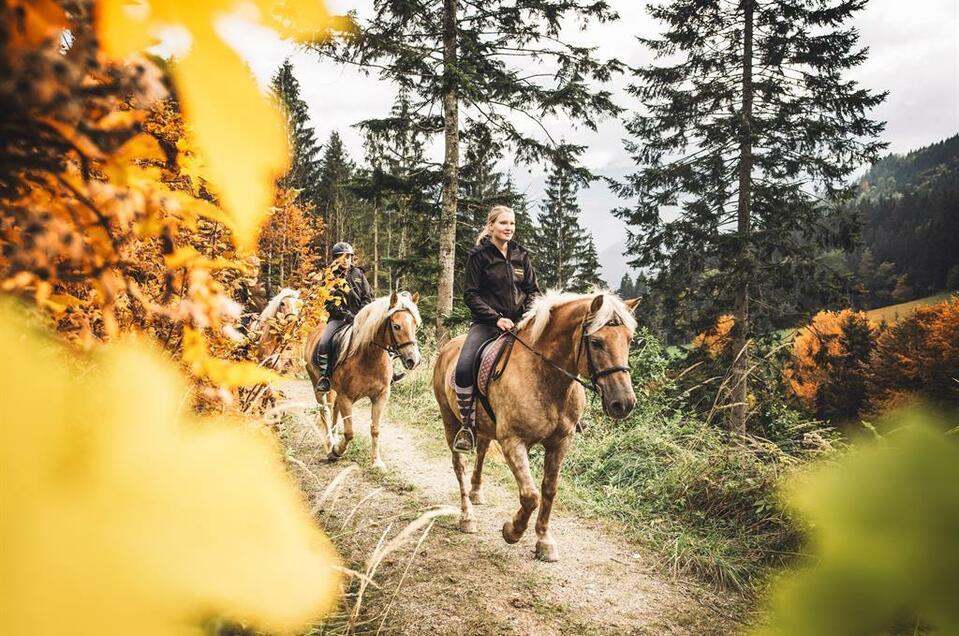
(323, 385)
(465, 440)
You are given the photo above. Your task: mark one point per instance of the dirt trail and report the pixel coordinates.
(477, 584)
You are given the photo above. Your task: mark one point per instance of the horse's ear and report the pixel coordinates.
(632, 303)
(596, 304)
(393, 299)
(416, 298)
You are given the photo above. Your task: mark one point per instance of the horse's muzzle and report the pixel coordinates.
(619, 408)
(412, 361)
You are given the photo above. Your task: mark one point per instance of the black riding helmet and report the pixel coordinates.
(342, 248)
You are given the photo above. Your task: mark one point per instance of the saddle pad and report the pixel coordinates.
(489, 356)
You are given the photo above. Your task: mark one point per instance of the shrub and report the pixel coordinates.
(917, 357)
(826, 372)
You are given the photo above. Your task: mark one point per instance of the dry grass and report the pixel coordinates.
(892, 313)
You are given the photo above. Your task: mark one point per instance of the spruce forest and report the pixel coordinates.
(731, 405)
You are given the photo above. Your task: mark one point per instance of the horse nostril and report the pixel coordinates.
(616, 408)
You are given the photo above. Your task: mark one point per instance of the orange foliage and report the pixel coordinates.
(917, 357)
(827, 352)
(717, 338)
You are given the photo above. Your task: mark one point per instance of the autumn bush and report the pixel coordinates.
(827, 367)
(917, 358)
(131, 209)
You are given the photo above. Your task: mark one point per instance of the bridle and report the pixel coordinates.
(395, 347)
(594, 374)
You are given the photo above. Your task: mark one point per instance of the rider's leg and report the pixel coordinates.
(324, 361)
(465, 439)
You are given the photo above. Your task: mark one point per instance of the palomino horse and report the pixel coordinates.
(363, 368)
(539, 399)
(271, 351)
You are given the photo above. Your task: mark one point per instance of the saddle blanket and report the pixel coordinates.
(489, 356)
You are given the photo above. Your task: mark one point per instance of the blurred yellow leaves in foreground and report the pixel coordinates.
(124, 514)
(239, 134)
(885, 539)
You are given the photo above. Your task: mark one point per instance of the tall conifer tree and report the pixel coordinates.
(335, 173)
(304, 172)
(750, 128)
(559, 238)
(466, 65)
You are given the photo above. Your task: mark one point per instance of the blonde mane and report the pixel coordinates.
(539, 314)
(369, 319)
(274, 305)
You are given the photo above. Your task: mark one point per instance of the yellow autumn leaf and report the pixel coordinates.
(238, 132)
(124, 515)
(224, 373)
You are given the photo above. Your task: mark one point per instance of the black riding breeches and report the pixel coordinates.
(478, 334)
(325, 346)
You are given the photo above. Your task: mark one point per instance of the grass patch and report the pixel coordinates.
(892, 313)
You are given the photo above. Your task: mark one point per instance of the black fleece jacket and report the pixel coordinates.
(496, 287)
(359, 295)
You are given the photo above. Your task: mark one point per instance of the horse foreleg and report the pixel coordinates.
(476, 492)
(517, 457)
(545, 545)
(343, 406)
(379, 405)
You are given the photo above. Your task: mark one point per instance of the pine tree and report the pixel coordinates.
(588, 269)
(304, 172)
(401, 187)
(466, 66)
(335, 172)
(751, 130)
(559, 237)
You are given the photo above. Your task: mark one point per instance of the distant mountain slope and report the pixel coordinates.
(614, 264)
(909, 211)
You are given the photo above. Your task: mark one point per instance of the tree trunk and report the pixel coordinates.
(447, 229)
(376, 247)
(740, 369)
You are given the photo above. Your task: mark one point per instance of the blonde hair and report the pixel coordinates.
(494, 213)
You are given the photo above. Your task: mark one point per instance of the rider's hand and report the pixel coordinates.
(505, 324)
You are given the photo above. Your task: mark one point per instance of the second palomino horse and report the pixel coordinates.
(387, 326)
(538, 399)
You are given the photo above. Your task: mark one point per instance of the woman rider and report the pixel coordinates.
(342, 306)
(499, 287)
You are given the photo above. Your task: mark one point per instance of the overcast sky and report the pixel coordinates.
(914, 54)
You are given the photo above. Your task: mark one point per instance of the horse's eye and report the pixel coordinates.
(596, 342)
(396, 326)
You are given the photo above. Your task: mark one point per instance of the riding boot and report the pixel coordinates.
(322, 365)
(465, 440)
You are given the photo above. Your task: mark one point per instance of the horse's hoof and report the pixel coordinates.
(333, 457)
(477, 497)
(468, 526)
(508, 534)
(379, 465)
(547, 552)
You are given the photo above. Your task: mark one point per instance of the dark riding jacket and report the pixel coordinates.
(496, 286)
(351, 300)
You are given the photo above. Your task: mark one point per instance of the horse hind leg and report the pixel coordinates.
(476, 491)
(517, 457)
